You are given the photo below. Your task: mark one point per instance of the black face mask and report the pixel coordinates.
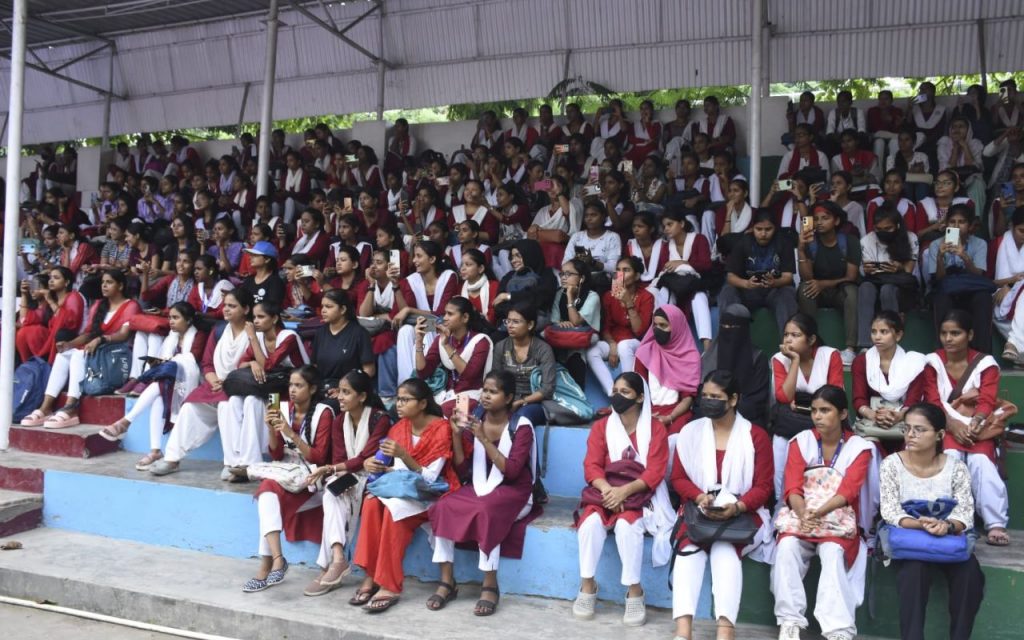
(886, 236)
(661, 336)
(713, 408)
(621, 404)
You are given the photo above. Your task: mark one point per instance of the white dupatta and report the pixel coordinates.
(215, 298)
(945, 387)
(658, 516)
(485, 482)
(465, 354)
(419, 290)
(650, 267)
(819, 370)
(483, 291)
(305, 243)
(187, 376)
(904, 368)
(229, 351)
(697, 452)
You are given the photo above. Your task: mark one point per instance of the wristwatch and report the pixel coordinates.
(950, 527)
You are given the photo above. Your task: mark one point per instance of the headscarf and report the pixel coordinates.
(676, 364)
(735, 349)
(533, 255)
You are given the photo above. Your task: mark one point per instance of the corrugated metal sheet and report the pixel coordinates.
(449, 51)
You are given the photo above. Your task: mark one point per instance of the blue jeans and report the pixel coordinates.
(387, 373)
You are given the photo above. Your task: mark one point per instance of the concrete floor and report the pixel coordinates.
(22, 623)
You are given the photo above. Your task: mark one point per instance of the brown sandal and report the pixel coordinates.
(362, 596)
(382, 604)
(437, 602)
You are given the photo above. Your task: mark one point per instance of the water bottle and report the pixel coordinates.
(382, 458)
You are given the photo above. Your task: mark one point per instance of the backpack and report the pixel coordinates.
(841, 237)
(29, 386)
(540, 494)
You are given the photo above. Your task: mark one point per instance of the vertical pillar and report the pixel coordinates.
(11, 211)
(380, 61)
(755, 101)
(267, 109)
(982, 55)
(106, 102)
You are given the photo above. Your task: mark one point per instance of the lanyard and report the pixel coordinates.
(835, 456)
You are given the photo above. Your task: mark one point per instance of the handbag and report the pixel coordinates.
(290, 475)
(242, 382)
(568, 404)
(163, 371)
(868, 429)
(958, 283)
(820, 484)
(409, 485)
(899, 543)
(681, 285)
(107, 368)
(373, 325)
(903, 280)
(787, 422)
(617, 474)
(994, 424)
(703, 531)
(573, 338)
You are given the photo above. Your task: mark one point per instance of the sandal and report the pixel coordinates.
(382, 604)
(997, 537)
(486, 607)
(362, 596)
(436, 602)
(61, 420)
(116, 431)
(147, 460)
(35, 419)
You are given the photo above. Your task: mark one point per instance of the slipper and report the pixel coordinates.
(363, 596)
(148, 460)
(35, 419)
(997, 538)
(61, 420)
(114, 432)
(333, 576)
(486, 608)
(382, 604)
(436, 602)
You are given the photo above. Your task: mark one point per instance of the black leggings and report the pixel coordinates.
(966, 589)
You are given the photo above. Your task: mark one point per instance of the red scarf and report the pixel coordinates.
(794, 161)
(435, 442)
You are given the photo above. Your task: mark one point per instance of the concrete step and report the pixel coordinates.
(19, 511)
(200, 592)
(82, 441)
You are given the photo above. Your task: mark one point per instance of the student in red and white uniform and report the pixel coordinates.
(515, 161)
(366, 172)
(718, 126)
(961, 151)
(847, 462)
(311, 240)
(488, 131)
(928, 118)
(815, 366)
(468, 233)
(401, 145)
(576, 124)
(841, 185)
(644, 137)
(806, 112)
(731, 219)
(479, 285)
(793, 205)
(884, 123)
(350, 232)
(626, 313)
(549, 132)
(647, 246)
(1008, 276)
(680, 128)
(631, 441)
(1006, 113)
(803, 154)
(862, 165)
(476, 209)
(967, 402)
(610, 123)
(930, 217)
(293, 193)
(690, 178)
(688, 254)
(843, 117)
(521, 129)
(892, 192)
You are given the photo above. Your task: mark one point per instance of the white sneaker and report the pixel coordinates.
(225, 473)
(583, 607)
(838, 635)
(636, 612)
(789, 631)
(848, 356)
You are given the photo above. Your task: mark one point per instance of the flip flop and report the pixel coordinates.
(386, 602)
(362, 596)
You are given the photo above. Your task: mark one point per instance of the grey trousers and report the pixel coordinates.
(781, 301)
(843, 297)
(868, 293)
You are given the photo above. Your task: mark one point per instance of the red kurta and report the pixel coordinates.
(616, 319)
(779, 372)
(987, 392)
(38, 336)
(863, 393)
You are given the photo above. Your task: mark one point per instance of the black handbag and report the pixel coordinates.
(242, 382)
(702, 530)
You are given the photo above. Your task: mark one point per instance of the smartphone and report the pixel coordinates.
(442, 182)
(341, 484)
(431, 324)
(561, 148)
(462, 406)
(808, 223)
(626, 166)
(274, 402)
(785, 185)
(920, 98)
(542, 185)
(348, 203)
(304, 271)
(595, 172)
(202, 235)
(592, 190)
(619, 282)
(395, 258)
(1008, 192)
(351, 159)
(583, 253)
(952, 235)
(1004, 94)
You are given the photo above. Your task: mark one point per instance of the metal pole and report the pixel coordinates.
(241, 110)
(10, 277)
(381, 69)
(982, 58)
(266, 112)
(106, 105)
(755, 103)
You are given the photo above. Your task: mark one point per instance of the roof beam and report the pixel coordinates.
(360, 18)
(74, 81)
(81, 57)
(340, 35)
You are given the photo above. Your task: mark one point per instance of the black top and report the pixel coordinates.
(748, 257)
(336, 355)
(271, 289)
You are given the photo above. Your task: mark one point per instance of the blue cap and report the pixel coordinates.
(263, 248)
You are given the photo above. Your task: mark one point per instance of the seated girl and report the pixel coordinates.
(348, 277)
(172, 374)
(475, 208)
(723, 226)
(207, 296)
(964, 383)
(529, 282)
(497, 455)
(302, 291)
(647, 246)
(889, 269)
(389, 239)
(350, 233)
(860, 164)
(842, 191)
(522, 354)
(420, 442)
(108, 323)
(299, 436)
(468, 232)
(627, 311)
(631, 444)
(725, 467)
(340, 344)
(886, 380)
(596, 245)
(479, 285)
(961, 152)
(576, 308)
(553, 224)
(462, 348)
(908, 160)
(75, 252)
(380, 307)
(668, 361)
(183, 234)
(801, 367)
(355, 437)
(224, 247)
(311, 240)
(932, 213)
(57, 316)
(370, 214)
(649, 187)
(1009, 274)
(892, 193)
(689, 258)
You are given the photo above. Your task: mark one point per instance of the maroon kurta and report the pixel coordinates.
(487, 521)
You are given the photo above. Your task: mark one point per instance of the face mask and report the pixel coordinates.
(713, 408)
(661, 336)
(621, 404)
(886, 236)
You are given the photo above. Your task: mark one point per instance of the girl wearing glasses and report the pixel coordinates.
(521, 354)
(576, 307)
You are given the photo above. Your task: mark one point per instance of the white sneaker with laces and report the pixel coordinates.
(636, 612)
(789, 631)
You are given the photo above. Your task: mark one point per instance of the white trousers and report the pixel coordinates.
(701, 309)
(726, 581)
(780, 452)
(840, 592)
(1014, 329)
(335, 529)
(629, 539)
(990, 498)
(290, 208)
(244, 436)
(597, 357)
(406, 350)
(269, 508)
(197, 422)
(151, 399)
(444, 551)
(146, 344)
(68, 368)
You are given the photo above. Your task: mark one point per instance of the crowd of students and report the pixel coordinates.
(388, 333)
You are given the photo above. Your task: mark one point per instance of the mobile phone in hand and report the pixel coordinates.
(952, 235)
(274, 402)
(808, 223)
(462, 406)
(785, 185)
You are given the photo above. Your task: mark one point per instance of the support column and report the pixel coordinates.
(11, 212)
(266, 112)
(381, 68)
(106, 103)
(755, 101)
(982, 55)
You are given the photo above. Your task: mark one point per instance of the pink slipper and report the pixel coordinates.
(34, 419)
(61, 420)
(116, 431)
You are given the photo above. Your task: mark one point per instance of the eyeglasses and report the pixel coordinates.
(945, 183)
(405, 400)
(566, 274)
(917, 431)
(509, 322)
